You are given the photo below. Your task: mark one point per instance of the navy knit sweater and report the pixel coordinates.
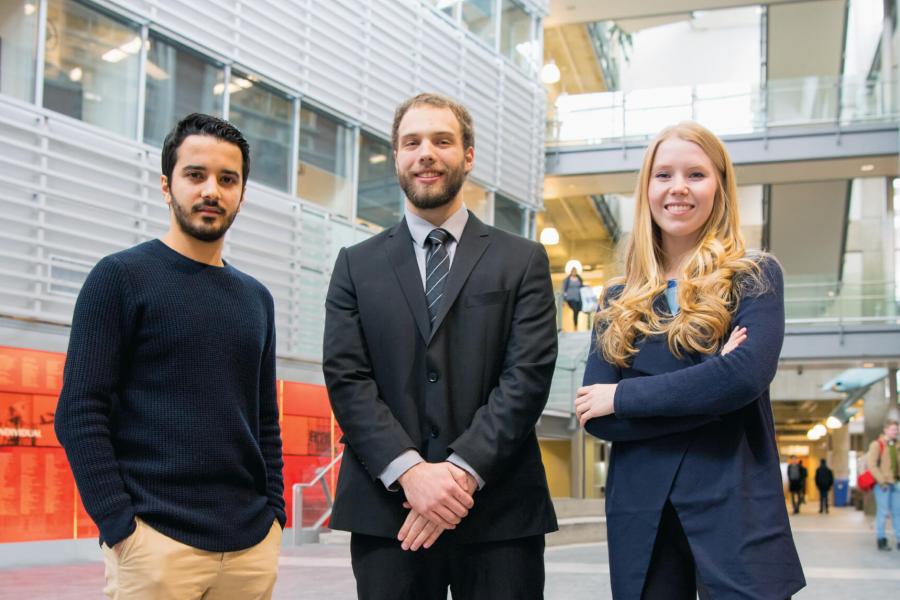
(168, 409)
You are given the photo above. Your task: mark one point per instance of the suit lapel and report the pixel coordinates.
(403, 257)
(475, 240)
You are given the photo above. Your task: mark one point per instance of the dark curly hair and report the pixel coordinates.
(201, 124)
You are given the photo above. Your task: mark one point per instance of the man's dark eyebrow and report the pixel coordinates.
(202, 168)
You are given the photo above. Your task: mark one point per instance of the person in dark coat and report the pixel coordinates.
(824, 481)
(572, 293)
(694, 498)
(804, 475)
(795, 483)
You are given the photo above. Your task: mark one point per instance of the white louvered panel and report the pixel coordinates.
(360, 58)
(516, 161)
(441, 56)
(74, 194)
(336, 57)
(538, 136)
(206, 23)
(271, 40)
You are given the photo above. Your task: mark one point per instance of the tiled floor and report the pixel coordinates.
(838, 553)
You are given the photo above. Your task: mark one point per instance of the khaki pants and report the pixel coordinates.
(151, 566)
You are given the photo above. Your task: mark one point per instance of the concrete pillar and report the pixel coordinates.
(893, 410)
(876, 407)
(578, 459)
(840, 452)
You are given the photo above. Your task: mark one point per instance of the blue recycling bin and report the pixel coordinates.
(841, 489)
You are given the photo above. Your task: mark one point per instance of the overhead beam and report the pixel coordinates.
(773, 146)
(566, 12)
(841, 343)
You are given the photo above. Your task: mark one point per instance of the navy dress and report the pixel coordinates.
(699, 432)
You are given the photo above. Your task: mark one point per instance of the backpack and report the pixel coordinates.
(793, 472)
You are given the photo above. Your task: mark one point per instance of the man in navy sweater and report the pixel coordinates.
(168, 412)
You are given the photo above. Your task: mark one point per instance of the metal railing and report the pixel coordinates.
(610, 118)
(310, 534)
(836, 302)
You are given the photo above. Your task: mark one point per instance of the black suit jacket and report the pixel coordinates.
(475, 384)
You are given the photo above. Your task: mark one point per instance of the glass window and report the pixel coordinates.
(92, 67)
(379, 198)
(479, 17)
(515, 35)
(265, 117)
(508, 215)
(475, 198)
(18, 47)
(445, 6)
(324, 172)
(179, 82)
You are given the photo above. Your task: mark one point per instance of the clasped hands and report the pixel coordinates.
(598, 400)
(439, 496)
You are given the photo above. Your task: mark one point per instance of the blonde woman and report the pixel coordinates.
(683, 354)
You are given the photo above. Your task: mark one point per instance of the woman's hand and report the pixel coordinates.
(737, 337)
(594, 401)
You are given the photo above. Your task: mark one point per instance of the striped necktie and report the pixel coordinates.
(437, 267)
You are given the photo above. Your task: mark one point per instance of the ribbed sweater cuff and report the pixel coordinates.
(116, 527)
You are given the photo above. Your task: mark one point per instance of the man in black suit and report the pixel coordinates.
(440, 344)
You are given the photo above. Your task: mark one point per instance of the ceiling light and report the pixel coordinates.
(76, 74)
(819, 429)
(30, 9)
(812, 436)
(114, 55)
(549, 236)
(868, 365)
(377, 159)
(132, 47)
(866, 168)
(550, 73)
(576, 264)
(833, 422)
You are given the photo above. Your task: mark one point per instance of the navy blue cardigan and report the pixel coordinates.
(699, 432)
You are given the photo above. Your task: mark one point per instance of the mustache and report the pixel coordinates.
(207, 205)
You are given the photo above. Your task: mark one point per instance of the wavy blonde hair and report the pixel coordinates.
(713, 277)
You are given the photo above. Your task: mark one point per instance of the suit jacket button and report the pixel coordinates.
(432, 376)
(435, 432)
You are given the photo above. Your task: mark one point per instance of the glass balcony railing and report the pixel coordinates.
(727, 109)
(832, 302)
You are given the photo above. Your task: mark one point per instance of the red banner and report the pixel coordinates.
(38, 497)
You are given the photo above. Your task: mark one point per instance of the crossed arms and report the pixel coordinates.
(657, 405)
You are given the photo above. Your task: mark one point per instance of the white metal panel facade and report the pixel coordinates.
(362, 57)
(72, 194)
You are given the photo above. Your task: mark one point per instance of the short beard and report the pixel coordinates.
(453, 182)
(204, 234)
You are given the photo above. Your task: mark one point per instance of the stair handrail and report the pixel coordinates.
(311, 534)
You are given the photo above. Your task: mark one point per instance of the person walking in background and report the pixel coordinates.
(440, 344)
(824, 481)
(572, 293)
(884, 464)
(795, 482)
(804, 476)
(694, 498)
(168, 411)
